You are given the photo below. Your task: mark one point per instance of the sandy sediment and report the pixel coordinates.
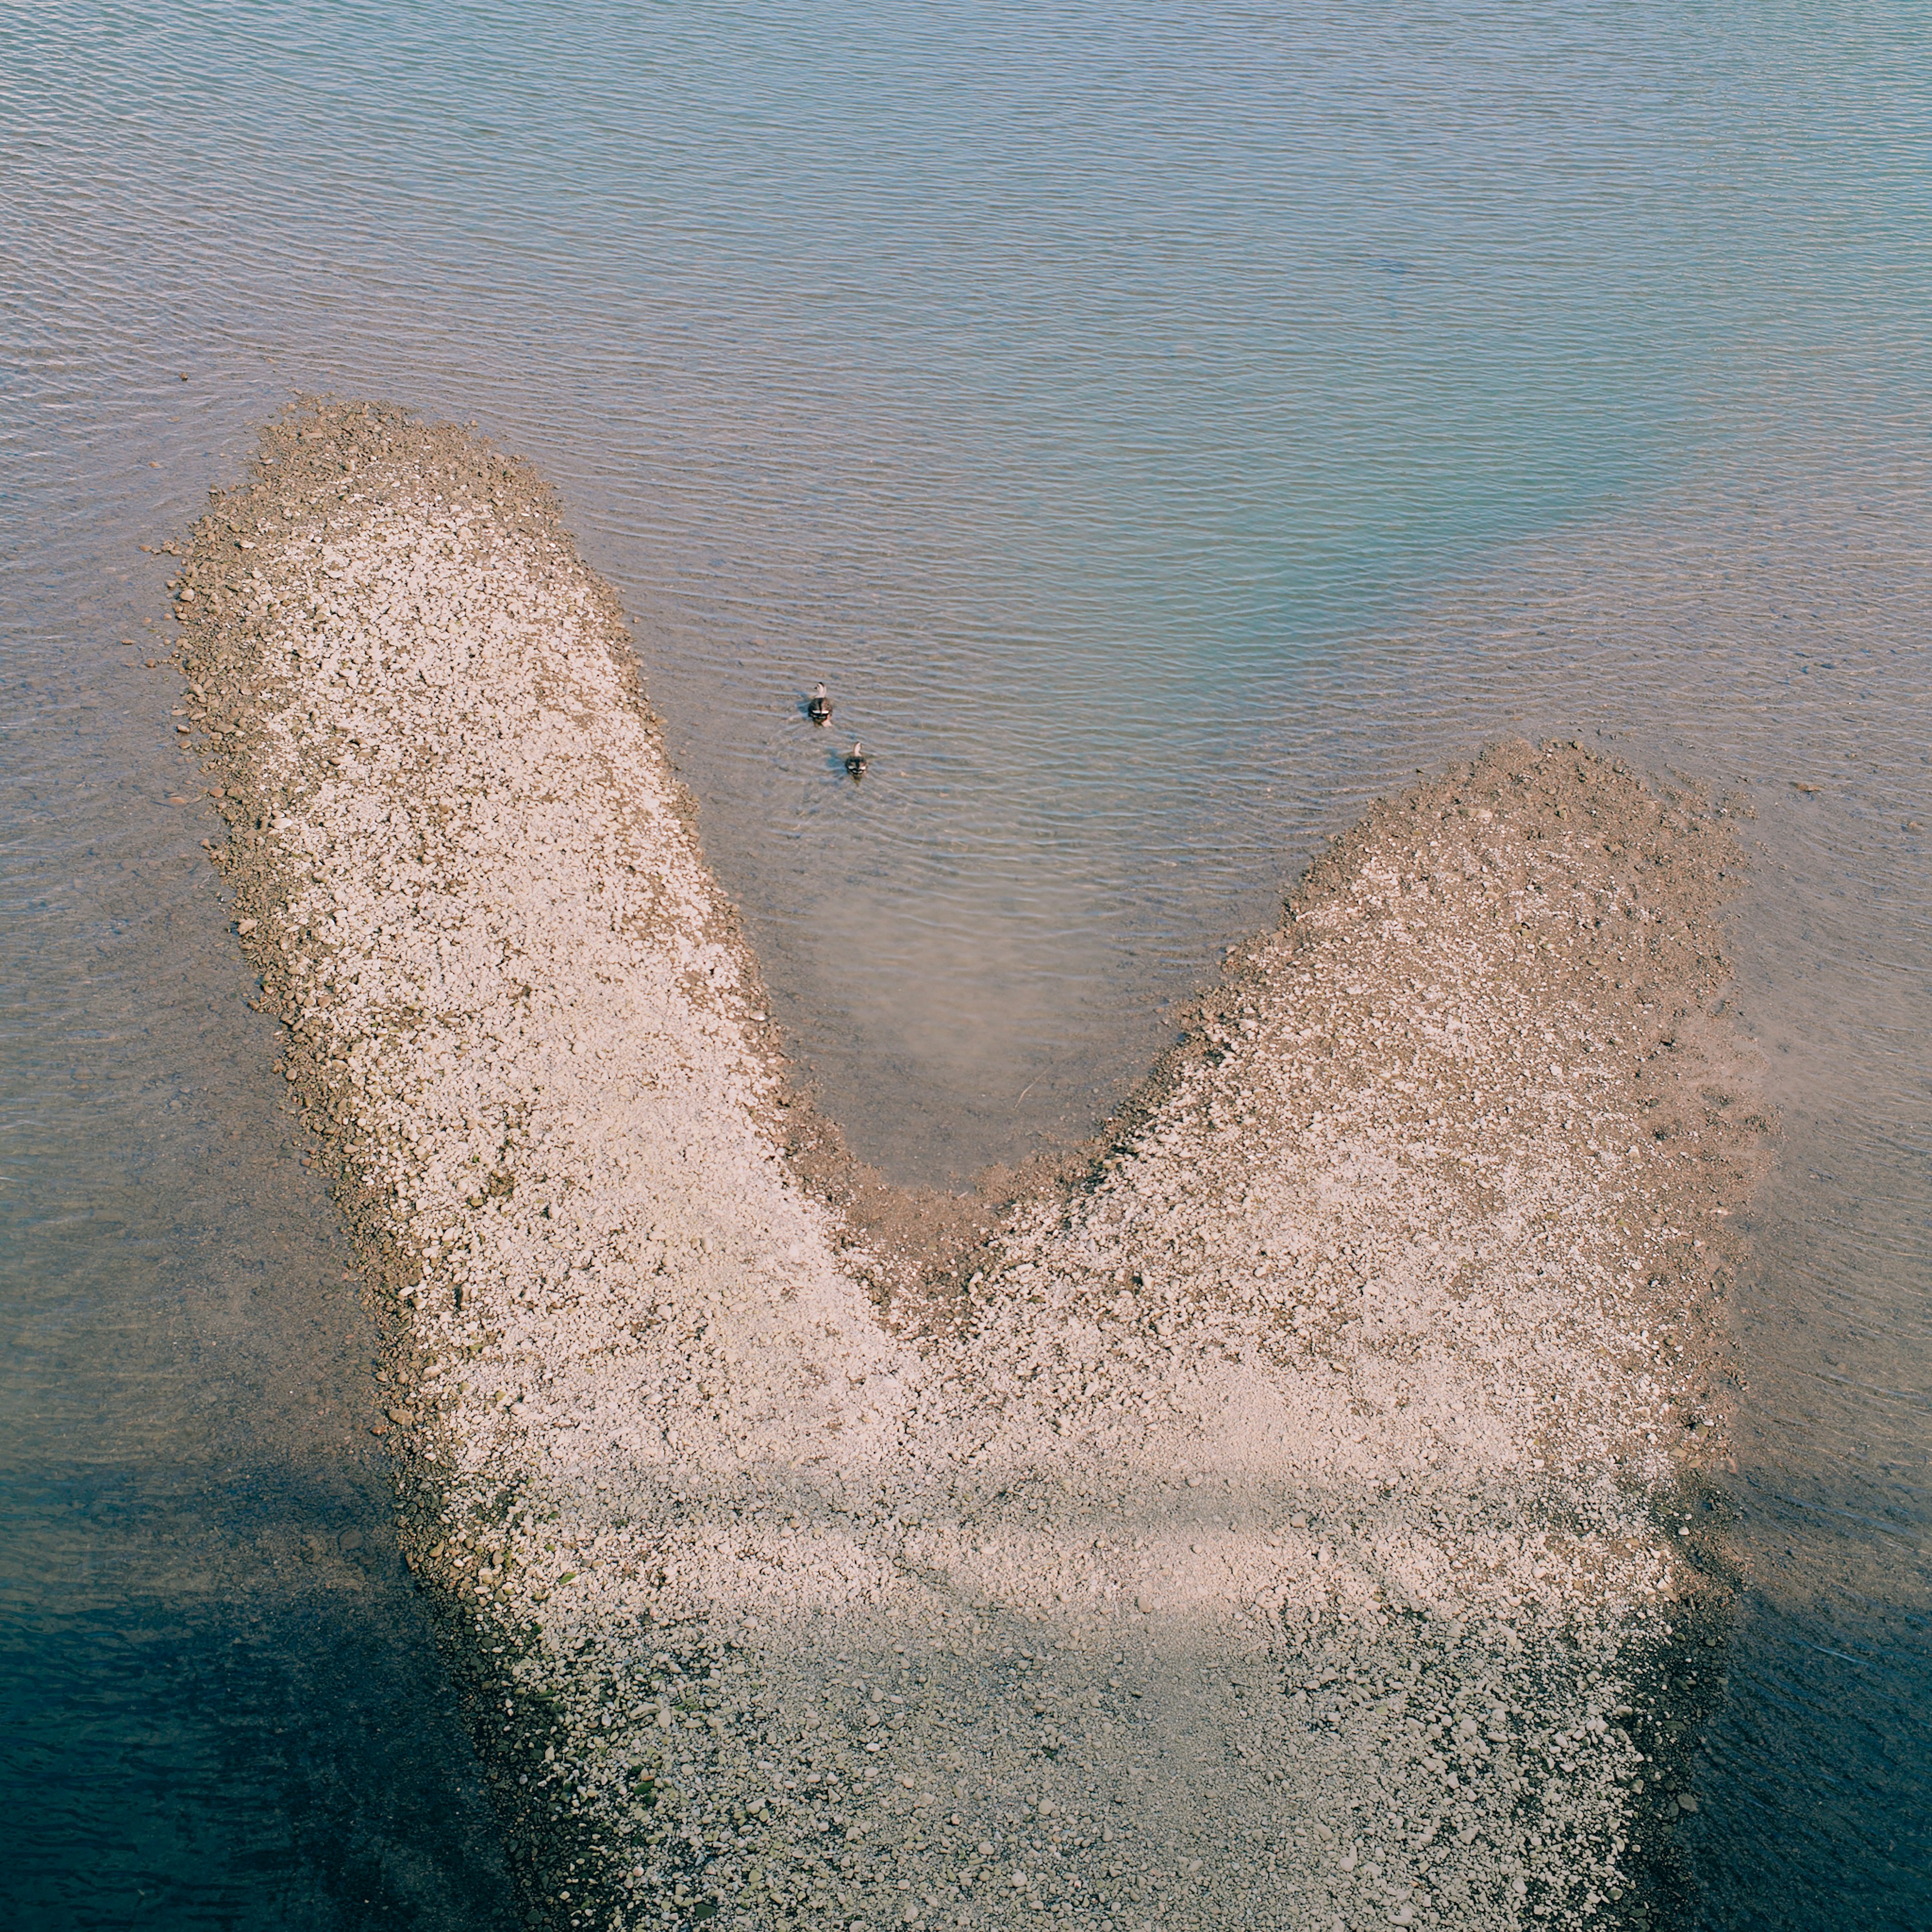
(1299, 1517)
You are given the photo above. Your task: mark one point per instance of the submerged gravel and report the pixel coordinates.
(1300, 1515)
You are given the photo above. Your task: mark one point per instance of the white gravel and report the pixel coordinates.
(1284, 1524)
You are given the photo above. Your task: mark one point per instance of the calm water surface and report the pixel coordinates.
(1163, 429)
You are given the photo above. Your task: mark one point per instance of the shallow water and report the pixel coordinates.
(1163, 432)
(224, 1708)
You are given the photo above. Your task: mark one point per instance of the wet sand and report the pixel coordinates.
(1297, 1510)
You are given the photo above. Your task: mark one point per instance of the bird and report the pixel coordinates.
(818, 706)
(856, 760)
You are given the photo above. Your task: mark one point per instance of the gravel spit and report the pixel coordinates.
(1303, 1514)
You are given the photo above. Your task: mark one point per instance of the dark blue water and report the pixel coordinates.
(1162, 429)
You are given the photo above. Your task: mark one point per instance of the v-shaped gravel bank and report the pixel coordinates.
(1298, 1519)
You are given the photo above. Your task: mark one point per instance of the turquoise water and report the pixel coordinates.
(1162, 429)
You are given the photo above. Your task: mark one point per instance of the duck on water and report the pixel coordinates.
(856, 760)
(818, 706)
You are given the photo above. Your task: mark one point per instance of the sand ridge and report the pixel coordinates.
(1295, 1515)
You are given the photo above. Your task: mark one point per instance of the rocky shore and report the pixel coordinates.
(1299, 1516)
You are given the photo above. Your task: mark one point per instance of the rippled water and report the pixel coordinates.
(1162, 429)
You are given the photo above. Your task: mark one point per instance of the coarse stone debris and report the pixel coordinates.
(1301, 1512)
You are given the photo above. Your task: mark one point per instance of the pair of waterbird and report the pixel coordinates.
(818, 708)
